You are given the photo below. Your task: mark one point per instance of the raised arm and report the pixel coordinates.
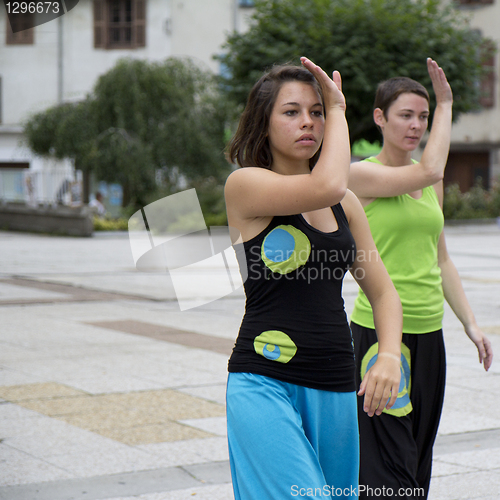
(381, 382)
(372, 180)
(257, 192)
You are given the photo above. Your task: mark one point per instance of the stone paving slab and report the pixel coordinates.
(58, 297)
(100, 487)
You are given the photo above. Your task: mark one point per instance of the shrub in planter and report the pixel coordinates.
(477, 203)
(494, 201)
(453, 204)
(103, 224)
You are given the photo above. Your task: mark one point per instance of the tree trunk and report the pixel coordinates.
(86, 187)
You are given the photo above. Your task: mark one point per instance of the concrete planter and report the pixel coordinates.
(472, 222)
(71, 221)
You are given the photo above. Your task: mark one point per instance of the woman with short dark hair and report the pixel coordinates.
(403, 201)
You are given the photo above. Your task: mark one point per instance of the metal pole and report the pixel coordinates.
(60, 62)
(235, 15)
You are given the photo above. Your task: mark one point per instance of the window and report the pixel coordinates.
(12, 185)
(487, 85)
(246, 3)
(119, 24)
(20, 29)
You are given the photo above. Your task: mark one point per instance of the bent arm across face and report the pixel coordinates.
(257, 192)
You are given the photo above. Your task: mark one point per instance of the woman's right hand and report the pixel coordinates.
(331, 87)
(380, 385)
(440, 84)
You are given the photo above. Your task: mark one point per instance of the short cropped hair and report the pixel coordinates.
(390, 90)
(250, 145)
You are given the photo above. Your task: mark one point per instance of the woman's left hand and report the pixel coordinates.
(380, 384)
(440, 84)
(482, 343)
(331, 87)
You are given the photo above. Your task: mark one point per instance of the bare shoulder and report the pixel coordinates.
(349, 199)
(243, 179)
(362, 166)
(235, 178)
(243, 173)
(356, 168)
(240, 184)
(358, 164)
(351, 205)
(236, 181)
(363, 174)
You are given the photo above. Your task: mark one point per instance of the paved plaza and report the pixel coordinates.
(109, 391)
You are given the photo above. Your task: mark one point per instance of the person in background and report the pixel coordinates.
(403, 201)
(291, 392)
(97, 204)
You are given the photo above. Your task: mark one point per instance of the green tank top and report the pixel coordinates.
(406, 231)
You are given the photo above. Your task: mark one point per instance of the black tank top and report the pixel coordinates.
(295, 328)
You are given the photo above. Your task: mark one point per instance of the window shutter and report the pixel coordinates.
(100, 24)
(487, 99)
(139, 20)
(25, 23)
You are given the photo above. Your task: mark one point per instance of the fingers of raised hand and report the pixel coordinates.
(439, 81)
(313, 68)
(317, 71)
(332, 87)
(337, 79)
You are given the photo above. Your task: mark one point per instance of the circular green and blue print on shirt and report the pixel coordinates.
(285, 249)
(275, 346)
(403, 405)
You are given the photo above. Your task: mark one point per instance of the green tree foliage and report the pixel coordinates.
(368, 41)
(65, 131)
(144, 121)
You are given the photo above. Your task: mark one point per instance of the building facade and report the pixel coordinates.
(475, 139)
(60, 61)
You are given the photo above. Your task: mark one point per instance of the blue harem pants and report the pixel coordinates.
(289, 441)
